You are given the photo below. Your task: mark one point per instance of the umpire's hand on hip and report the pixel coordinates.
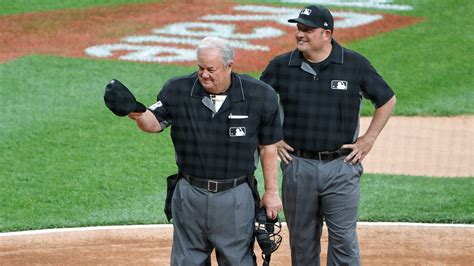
(360, 149)
(283, 151)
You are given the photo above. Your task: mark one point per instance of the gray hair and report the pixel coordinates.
(226, 51)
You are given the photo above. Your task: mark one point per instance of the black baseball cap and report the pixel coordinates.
(120, 100)
(316, 17)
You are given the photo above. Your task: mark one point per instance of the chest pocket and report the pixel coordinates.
(239, 126)
(243, 120)
(243, 128)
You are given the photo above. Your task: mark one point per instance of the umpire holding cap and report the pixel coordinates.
(320, 85)
(220, 122)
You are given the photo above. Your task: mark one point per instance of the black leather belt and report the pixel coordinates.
(215, 185)
(322, 155)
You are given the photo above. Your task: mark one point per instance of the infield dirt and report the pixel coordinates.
(380, 245)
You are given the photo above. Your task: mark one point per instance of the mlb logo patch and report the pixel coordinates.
(237, 131)
(339, 84)
(306, 11)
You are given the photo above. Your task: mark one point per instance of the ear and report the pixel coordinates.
(327, 35)
(230, 65)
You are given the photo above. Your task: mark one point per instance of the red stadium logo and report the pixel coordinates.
(152, 33)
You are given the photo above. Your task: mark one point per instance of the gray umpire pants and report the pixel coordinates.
(315, 189)
(204, 220)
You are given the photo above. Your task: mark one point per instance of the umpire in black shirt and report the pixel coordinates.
(220, 122)
(320, 85)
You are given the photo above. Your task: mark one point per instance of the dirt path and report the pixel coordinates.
(426, 146)
(381, 244)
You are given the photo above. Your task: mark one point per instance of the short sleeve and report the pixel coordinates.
(373, 86)
(162, 108)
(269, 75)
(270, 130)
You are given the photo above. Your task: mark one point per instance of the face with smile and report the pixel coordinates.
(213, 75)
(311, 40)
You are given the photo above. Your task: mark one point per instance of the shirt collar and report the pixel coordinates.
(236, 90)
(336, 55)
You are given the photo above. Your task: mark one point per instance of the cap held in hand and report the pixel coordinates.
(120, 100)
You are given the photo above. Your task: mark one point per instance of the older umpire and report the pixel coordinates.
(219, 121)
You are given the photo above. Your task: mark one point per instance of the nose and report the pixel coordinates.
(299, 34)
(205, 74)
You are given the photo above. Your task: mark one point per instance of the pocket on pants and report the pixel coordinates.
(285, 167)
(244, 209)
(357, 168)
(361, 169)
(289, 170)
(178, 196)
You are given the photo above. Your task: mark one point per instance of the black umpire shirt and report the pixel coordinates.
(218, 145)
(322, 102)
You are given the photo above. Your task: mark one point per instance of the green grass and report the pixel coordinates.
(416, 199)
(8, 7)
(67, 161)
(429, 65)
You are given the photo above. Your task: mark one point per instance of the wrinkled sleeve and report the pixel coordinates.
(373, 86)
(269, 75)
(162, 108)
(270, 127)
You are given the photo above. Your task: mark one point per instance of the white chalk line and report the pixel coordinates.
(158, 226)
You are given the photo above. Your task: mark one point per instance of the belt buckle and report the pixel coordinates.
(212, 186)
(321, 154)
